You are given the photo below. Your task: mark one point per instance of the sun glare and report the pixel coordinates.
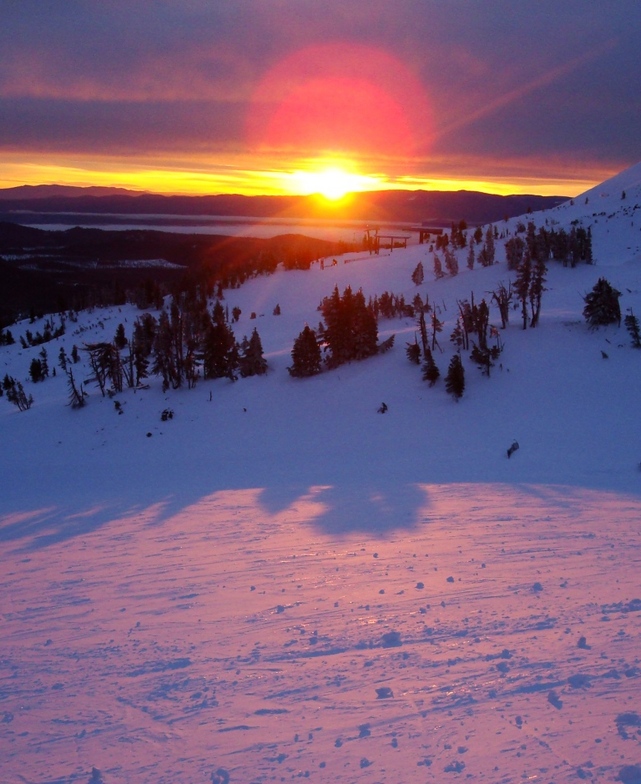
(332, 182)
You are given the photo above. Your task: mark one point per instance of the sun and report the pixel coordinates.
(332, 182)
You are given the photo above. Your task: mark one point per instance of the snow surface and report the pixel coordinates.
(280, 583)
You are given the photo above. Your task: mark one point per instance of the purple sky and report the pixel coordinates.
(231, 94)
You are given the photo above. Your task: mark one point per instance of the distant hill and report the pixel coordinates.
(396, 205)
(30, 192)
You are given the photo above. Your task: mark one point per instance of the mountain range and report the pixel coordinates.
(31, 204)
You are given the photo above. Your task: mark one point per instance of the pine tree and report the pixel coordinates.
(423, 330)
(514, 249)
(455, 378)
(35, 371)
(413, 352)
(487, 254)
(16, 394)
(437, 326)
(306, 355)
(76, 392)
(438, 267)
(351, 328)
(470, 257)
(634, 329)
(44, 363)
(535, 293)
(503, 297)
(451, 262)
(419, 274)
(431, 372)
(120, 340)
(220, 352)
(522, 284)
(365, 328)
(602, 305)
(251, 361)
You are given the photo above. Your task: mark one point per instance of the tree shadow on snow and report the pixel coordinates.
(343, 509)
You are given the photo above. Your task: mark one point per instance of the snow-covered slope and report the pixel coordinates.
(280, 583)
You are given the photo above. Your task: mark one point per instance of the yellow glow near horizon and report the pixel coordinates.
(332, 181)
(241, 175)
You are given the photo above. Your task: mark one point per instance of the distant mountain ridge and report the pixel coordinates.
(393, 205)
(22, 192)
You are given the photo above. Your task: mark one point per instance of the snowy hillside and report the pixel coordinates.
(280, 583)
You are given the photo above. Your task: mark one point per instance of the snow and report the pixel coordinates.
(280, 583)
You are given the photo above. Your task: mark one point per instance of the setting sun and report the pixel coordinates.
(332, 182)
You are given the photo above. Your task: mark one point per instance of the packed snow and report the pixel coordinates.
(281, 583)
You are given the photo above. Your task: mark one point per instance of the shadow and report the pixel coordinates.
(370, 508)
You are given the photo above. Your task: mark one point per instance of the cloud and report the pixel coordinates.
(192, 77)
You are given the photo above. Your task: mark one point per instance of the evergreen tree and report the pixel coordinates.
(419, 274)
(351, 329)
(423, 330)
(77, 394)
(6, 338)
(120, 340)
(438, 267)
(487, 254)
(503, 297)
(470, 257)
(458, 336)
(634, 329)
(140, 350)
(62, 359)
(522, 284)
(35, 371)
(251, 361)
(220, 352)
(413, 352)
(535, 293)
(451, 262)
(431, 372)
(514, 249)
(44, 363)
(602, 305)
(106, 364)
(365, 328)
(306, 355)
(455, 378)
(15, 393)
(437, 326)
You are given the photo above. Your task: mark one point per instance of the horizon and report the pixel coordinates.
(330, 199)
(283, 98)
